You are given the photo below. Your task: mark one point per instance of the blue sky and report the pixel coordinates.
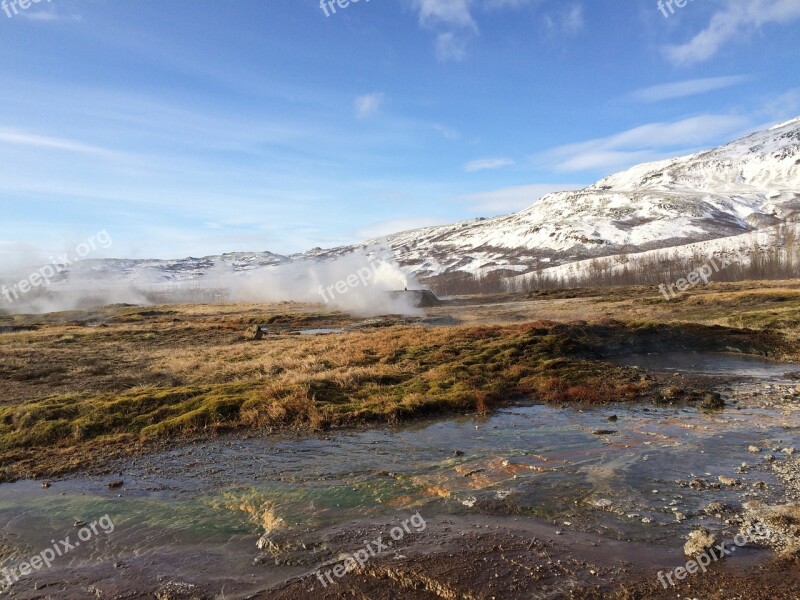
(192, 128)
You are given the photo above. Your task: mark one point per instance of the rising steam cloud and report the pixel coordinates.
(358, 283)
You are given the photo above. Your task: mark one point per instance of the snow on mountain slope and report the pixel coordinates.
(154, 271)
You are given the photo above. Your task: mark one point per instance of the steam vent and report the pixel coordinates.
(419, 298)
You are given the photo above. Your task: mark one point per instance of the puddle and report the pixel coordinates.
(709, 363)
(267, 330)
(322, 331)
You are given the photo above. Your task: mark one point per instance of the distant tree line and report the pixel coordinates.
(781, 260)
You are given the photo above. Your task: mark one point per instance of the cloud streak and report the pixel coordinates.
(652, 141)
(488, 164)
(683, 89)
(736, 20)
(23, 138)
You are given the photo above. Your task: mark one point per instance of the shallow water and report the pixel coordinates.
(320, 331)
(198, 511)
(709, 363)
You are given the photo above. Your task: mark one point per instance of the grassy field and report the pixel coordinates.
(80, 387)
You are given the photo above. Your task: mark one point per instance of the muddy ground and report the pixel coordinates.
(458, 559)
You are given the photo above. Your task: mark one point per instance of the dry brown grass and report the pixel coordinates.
(157, 373)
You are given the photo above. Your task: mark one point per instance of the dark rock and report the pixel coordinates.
(713, 400)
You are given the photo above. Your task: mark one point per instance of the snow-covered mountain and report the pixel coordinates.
(145, 272)
(741, 187)
(746, 185)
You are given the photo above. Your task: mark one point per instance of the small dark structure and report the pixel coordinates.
(262, 330)
(419, 298)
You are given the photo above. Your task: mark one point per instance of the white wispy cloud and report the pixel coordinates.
(486, 164)
(690, 87)
(447, 133)
(652, 141)
(455, 17)
(450, 47)
(573, 21)
(455, 23)
(368, 104)
(567, 21)
(454, 13)
(48, 16)
(734, 21)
